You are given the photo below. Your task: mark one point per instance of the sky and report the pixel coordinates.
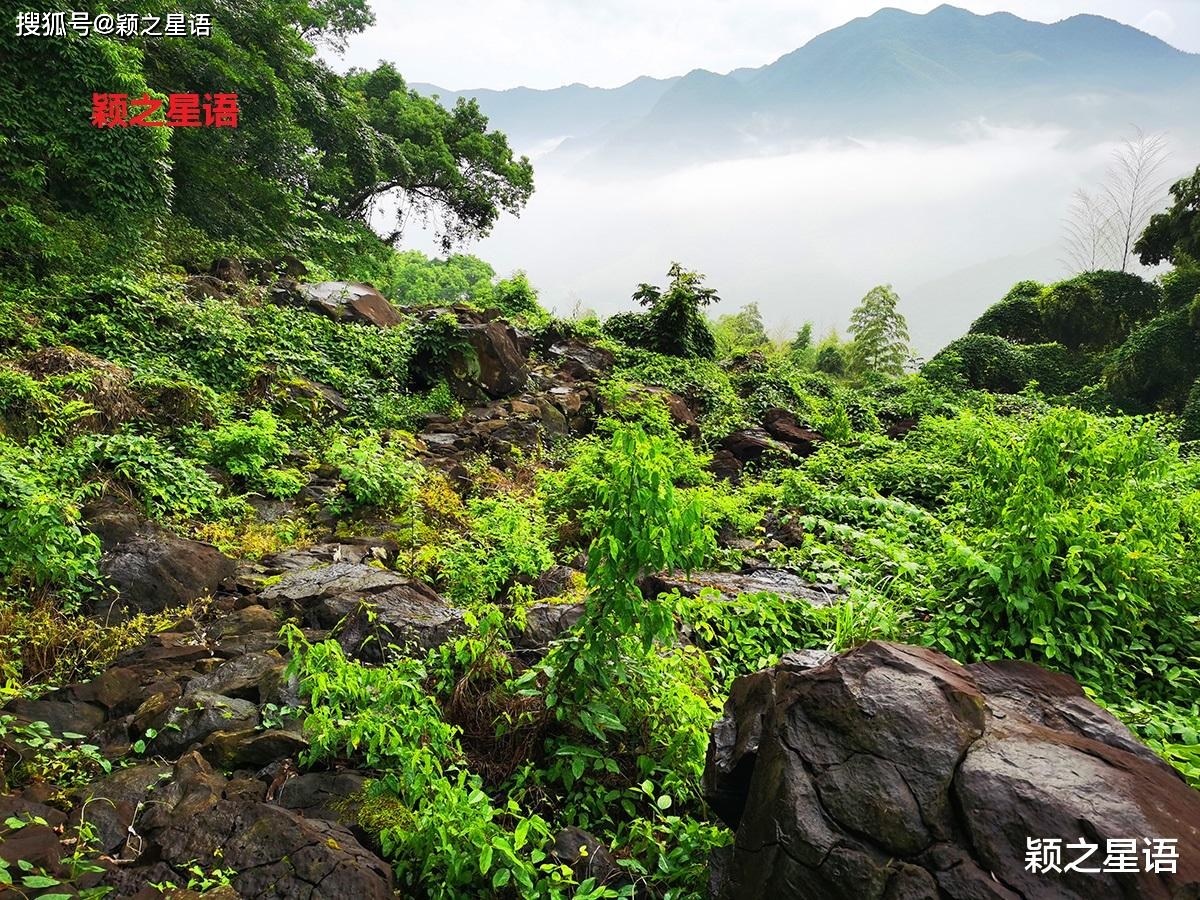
(464, 44)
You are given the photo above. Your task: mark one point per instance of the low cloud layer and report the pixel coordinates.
(807, 234)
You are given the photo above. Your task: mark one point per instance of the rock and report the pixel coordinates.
(322, 795)
(681, 414)
(34, 843)
(894, 772)
(751, 444)
(502, 367)
(274, 852)
(558, 581)
(412, 617)
(346, 301)
(155, 569)
(582, 362)
(252, 676)
(787, 585)
(899, 429)
(111, 804)
(545, 622)
(229, 270)
(62, 712)
(301, 400)
(725, 465)
(195, 717)
(588, 857)
(782, 425)
(371, 608)
(250, 748)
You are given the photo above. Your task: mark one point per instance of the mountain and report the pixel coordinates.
(891, 74)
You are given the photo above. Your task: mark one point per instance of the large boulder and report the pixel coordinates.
(368, 608)
(200, 816)
(349, 301)
(153, 569)
(494, 361)
(894, 772)
(730, 585)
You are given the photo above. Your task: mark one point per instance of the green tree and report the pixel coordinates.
(673, 324)
(1174, 235)
(741, 331)
(434, 162)
(880, 333)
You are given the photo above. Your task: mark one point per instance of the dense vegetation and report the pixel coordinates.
(1033, 501)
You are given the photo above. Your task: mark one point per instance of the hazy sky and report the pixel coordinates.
(547, 43)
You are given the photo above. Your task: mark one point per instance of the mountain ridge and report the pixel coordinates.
(893, 73)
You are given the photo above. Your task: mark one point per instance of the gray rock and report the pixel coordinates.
(195, 717)
(155, 569)
(893, 772)
(348, 301)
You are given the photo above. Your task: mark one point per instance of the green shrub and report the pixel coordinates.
(1074, 554)
(375, 474)
(508, 538)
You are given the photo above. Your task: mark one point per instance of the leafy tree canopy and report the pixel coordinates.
(1174, 235)
(880, 333)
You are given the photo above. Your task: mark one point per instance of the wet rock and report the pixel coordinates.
(495, 355)
(893, 771)
(197, 715)
(155, 569)
(787, 585)
(349, 301)
(782, 425)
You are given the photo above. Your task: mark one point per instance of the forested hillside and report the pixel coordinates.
(333, 570)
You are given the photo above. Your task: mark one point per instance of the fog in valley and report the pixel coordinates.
(950, 225)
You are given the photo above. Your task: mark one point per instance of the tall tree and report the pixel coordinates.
(880, 333)
(1174, 235)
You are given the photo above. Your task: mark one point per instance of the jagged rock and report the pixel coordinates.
(782, 425)
(349, 301)
(582, 362)
(501, 366)
(587, 857)
(371, 608)
(196, 716)
(894, 772)
(681, 414)
(787, 585)
(229, 270)
(155, 569)
(751, 444)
